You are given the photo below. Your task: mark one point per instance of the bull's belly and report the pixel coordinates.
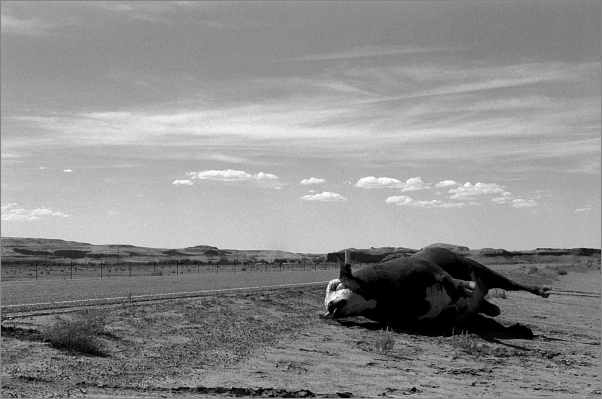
(438, 300)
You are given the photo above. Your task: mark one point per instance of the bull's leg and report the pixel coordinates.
(493, 279)
(463, 268)
(489, 308)
(456, 288)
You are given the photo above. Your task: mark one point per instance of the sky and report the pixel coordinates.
(302, 126)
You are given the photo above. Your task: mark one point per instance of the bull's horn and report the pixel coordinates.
(344, 270)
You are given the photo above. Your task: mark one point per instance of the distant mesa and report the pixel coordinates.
(24, 251)
(494, 252)
(200, 247)
(175, 252)
(20, 249)
(456, 248)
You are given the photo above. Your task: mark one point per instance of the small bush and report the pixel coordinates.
(562, 272)
(78, 334)
(466, 343)
(385, 342)
(496, 293)
(157, 273)
(532, 269)
(195, 315)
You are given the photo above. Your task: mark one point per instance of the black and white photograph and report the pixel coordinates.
(301, 198)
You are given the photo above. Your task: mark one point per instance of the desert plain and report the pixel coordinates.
(277, 344)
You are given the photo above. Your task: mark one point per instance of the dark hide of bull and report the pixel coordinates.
(397, 291)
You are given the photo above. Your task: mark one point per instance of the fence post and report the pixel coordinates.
(100, 269)
(130, 269)
(177, 267)
(71, 268)
(217, 268)
(198, 268)
(36, 271)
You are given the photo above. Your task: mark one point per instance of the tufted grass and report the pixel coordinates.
(78, 334)
(385, 342)
(532, 269)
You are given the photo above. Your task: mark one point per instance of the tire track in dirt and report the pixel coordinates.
(84, 290)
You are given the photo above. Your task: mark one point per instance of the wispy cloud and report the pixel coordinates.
(14, 213)
(589, 206)
(326, 196)
(521, 203)
(357, 111)
(370, 51)
(68, 170)
(34, 26)
(404, 200)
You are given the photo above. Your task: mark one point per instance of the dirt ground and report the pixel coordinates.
(278, 345)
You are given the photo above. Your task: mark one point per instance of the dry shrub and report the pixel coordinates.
(532, 269)
(385, 342)
(469, 343)
(78, 334)
(496, 293)
(466, 343)
(195, 315)
(561, 272)
(157, 273)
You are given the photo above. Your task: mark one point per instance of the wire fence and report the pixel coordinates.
(41, 271)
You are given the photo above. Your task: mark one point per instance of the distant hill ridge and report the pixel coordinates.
(25, 248)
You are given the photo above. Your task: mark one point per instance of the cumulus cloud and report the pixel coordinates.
(230, 175)
(381, 182)
(371, 182)
(470, 192)
(404, 200)
(325, 196)
(414, 184)
(67, 170)
(182, 183)
(312, 180)
(446, 183)
(262, 176)
(521, 203)
(13, 212)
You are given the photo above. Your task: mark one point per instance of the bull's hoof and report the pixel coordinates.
(544, 292)
(520, 331)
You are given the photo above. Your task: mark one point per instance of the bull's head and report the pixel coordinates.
(344, 295)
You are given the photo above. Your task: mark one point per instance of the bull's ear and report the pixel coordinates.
(345, 270)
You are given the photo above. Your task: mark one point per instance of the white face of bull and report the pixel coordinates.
(342, 301)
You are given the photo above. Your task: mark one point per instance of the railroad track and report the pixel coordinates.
(46, 308)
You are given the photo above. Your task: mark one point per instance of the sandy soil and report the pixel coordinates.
(277, 345)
